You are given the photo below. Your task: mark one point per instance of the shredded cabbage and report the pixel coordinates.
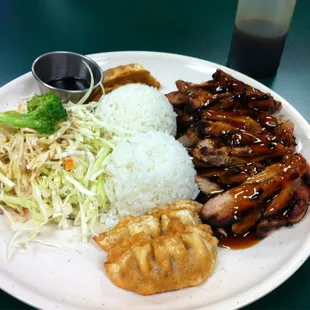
(91, 86)
(58, 178)
(39, 186)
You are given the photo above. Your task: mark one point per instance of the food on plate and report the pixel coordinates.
(176, 260)
(88, 164)
(259, 191)
(138, 108)
(222, 93)
(224, 178)
(251, 179)
(206, 151)
(165, 250)
(125, 74)
(44, 178)
(154, 223)
(59, 177)
(148, 169)
(218, 98)
(44, 114)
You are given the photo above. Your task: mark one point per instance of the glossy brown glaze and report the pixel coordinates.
(247, 170)
(236, 242)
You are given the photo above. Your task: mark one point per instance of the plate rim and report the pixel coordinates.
(248, 296)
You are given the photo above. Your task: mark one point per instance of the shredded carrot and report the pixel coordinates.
(25, 211)
(69, 163)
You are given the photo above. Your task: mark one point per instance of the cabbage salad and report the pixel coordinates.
(55, 178)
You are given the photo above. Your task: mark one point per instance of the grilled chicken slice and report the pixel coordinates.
(242, 138)
(228, 133)
(233, 175)
(200, 164)
(285, 133)
(267, 120)
(207, 187)
(230, 83)
(186, 116)
(280, 201)
(216, 158)
(261, 102)
(232, 205)
(203, 129)
(246, 122)
(269, 171)
(233, 94)
(306, 177)
(230, 156)
(185, 141)
(197, 95)
(223, 101)
(266, 226)
(245, 224)
(177, 98)
(301, 201)
(297, 210)
(189, 88)
(234, 101)
(207, 152)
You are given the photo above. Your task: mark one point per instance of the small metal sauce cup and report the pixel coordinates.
(56, 65)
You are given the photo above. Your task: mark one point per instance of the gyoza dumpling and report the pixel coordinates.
(184, 257)
(127, 228)
(153, 225)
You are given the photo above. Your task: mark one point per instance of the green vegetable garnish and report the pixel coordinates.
(45, 112)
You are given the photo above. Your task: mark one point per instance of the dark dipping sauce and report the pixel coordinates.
(234, 242)
(256, 47)
(70, 83)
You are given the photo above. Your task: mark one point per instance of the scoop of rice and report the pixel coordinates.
(147, 170)
(138, 108)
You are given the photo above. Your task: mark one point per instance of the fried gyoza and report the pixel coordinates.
(122, 75)
(164, 250)
(179, 259)
(152, 224)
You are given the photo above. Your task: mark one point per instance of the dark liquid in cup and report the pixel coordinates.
(256, 47)
(70, 83)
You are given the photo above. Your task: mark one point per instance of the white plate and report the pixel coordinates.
(49, 278)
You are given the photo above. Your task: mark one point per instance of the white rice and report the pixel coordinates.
(138, 108)
(146, 170)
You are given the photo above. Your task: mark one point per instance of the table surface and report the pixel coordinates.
(200, 29)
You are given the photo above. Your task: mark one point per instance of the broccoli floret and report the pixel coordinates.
(35, 101)
(44, 113)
